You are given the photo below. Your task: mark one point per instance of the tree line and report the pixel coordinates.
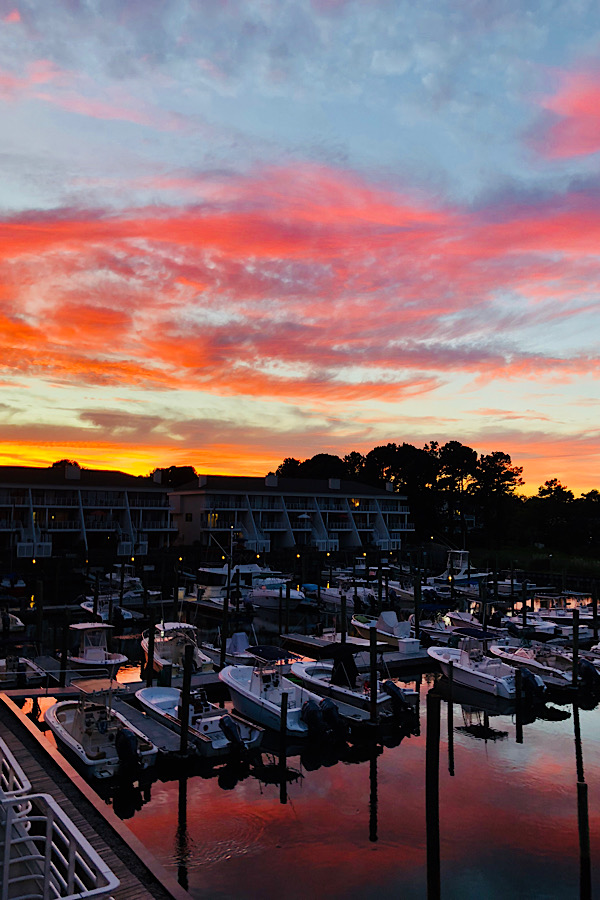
(465, 498)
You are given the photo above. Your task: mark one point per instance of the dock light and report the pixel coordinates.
(133, 559)
(258, 555)
(33, 561)
(297, 556)
(222, 557)
(364, 554)
(328, 553)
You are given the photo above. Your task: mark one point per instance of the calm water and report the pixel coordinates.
(359, 828)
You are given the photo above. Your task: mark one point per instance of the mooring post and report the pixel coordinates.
(575, 671)
(287, 607)
(432, 796)
(39, 613)
(450, 718)
(224, 627)
(184, 708)
(283, 748)
(150, 654)
(96, 592)
(343, 617)
(373, 671)
(64, 650)
(519, 705)
(280, 616)
(417, 589)
(595, 611)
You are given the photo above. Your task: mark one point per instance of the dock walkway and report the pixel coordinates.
(140, 874)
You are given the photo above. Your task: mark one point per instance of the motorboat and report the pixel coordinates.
(92, 649)
(212, 581)
(538, 628)
(95, 734)
(458, 571)
(237, 651)
(269, 594)
(213, 731)
(341, 681)
(170, 641)
(553, 666)
(257, 692)
(387, 626)
(105, 607)
(472, 668)
(19, 671)
(12, 623)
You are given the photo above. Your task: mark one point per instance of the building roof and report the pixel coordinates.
(275, 484)
(74, 477)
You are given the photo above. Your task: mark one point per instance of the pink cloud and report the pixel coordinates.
(575, 107)
(13, 16)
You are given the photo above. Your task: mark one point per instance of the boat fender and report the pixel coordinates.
(231, 731)
(399, 702)
(588, 675)
(126, 745)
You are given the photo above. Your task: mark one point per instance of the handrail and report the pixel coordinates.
(46, 856)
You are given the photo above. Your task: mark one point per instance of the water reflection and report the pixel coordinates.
(381, 818)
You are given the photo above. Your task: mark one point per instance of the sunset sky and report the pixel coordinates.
(234, 231)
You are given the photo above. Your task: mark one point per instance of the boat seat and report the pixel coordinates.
(95, 654)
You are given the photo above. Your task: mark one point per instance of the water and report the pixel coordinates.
(366, 826)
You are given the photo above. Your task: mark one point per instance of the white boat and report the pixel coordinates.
(472, 668)
(103, 610)
(93, 652)
(12, 623)
(458, 571)
(267, 595)
(98, 736)
(211, 581)
(170, 641)
(388, 628)
(236, 651)
(256, 693)
(542, 629)
(213, 731)
(18, 671)
(553, 667)
(342, 682)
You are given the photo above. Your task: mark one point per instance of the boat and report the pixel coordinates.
(92, 651)
(213, 731)
(388, 628)
(170, 641)
(554, 665)
(211, 581)
(19, 671)
(104, 607)
(237, 651)
(269, 594)
(458, 571)
(472, 668)
(540, 629)
(257, 691)
(341, 681)
(97, 736)
(11, 623)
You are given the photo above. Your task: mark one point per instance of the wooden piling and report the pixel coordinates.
(450, 718)
(283, 749)
(343, 617)
(575, 672)
(184, 707)
(595, 611)
(432, 796)
(373, 671)
(519, 705)
(64, 650)
(150, 656)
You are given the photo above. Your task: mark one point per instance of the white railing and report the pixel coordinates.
(13, 781)
(45, 856)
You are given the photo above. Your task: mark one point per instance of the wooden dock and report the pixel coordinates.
(140, 874)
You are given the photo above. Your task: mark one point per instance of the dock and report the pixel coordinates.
(141, 875)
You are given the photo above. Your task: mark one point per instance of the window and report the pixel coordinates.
(188, 517)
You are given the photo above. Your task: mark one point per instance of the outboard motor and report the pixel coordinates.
(331, 714)
(312, 715)
(588, 675)
(531, 686)
(126, 747)
(231, 731)
(400, 704)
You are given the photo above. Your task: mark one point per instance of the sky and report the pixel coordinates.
(235, 231)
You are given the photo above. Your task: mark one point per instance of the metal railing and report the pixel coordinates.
(45, 856)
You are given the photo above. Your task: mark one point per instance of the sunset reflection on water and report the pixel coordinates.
(508, 816)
